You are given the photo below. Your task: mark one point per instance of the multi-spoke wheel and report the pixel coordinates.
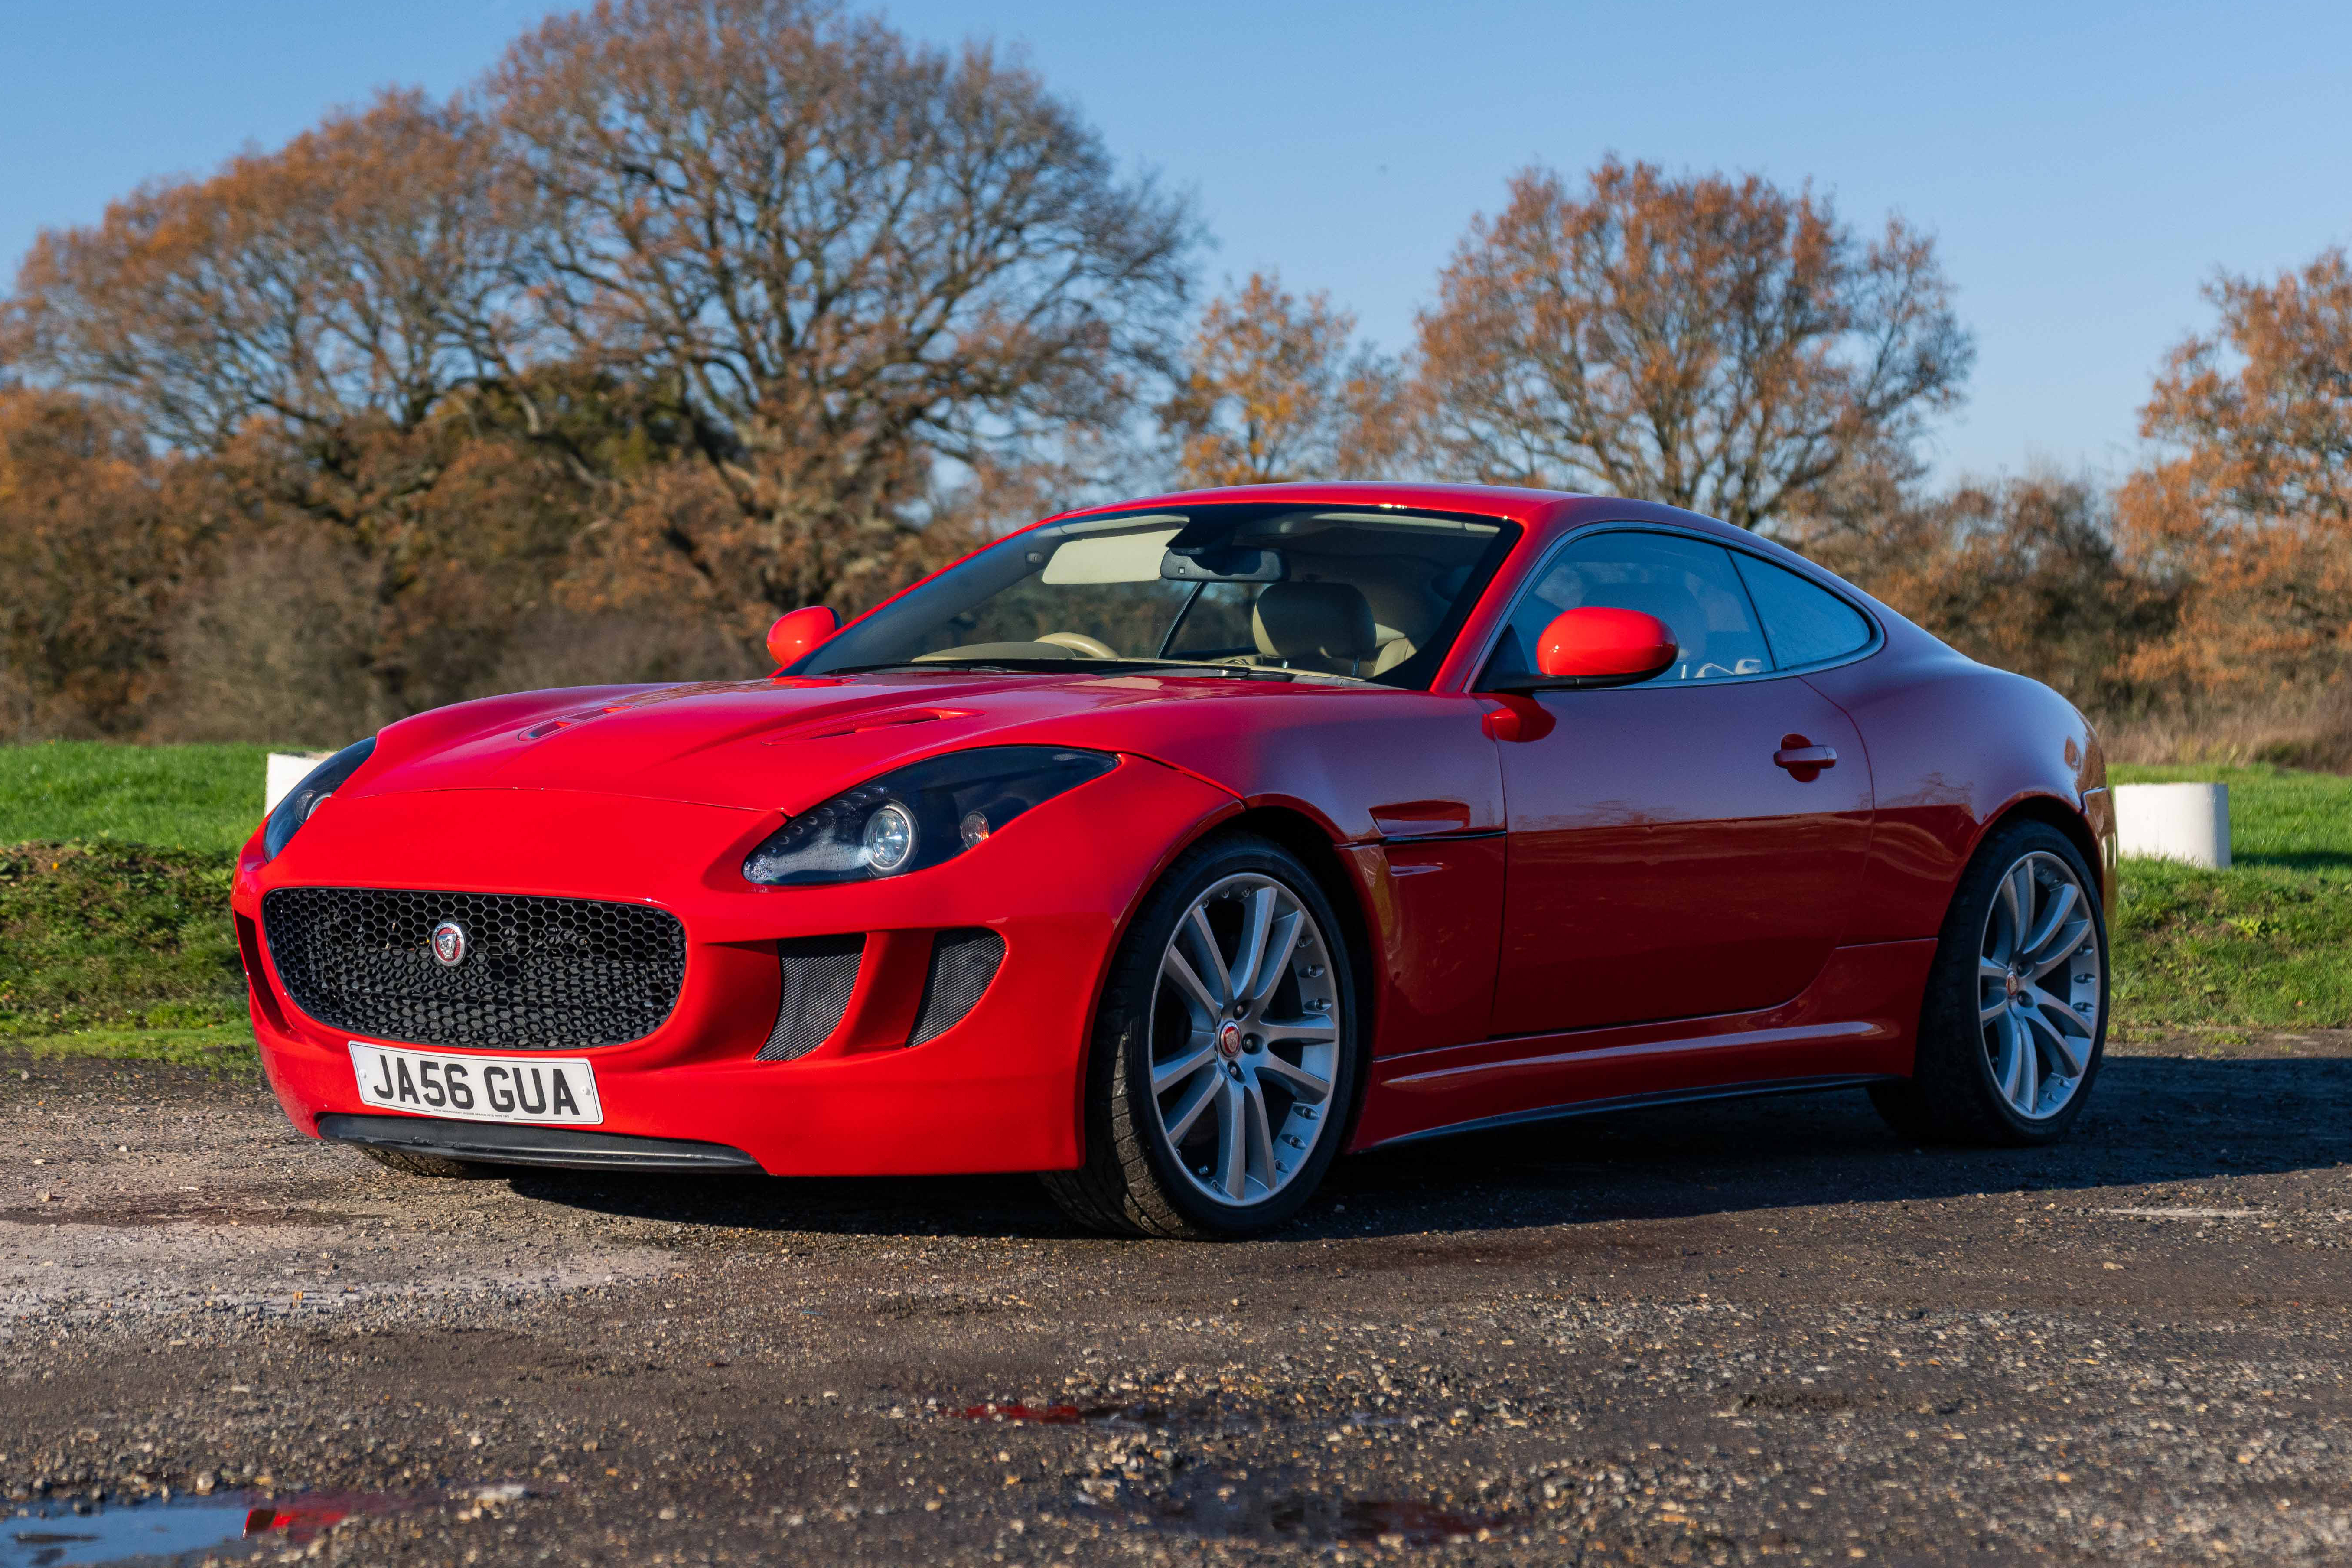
(1244, 1038)
(2015, 1018)
(2041, 984)
(1225, 1061)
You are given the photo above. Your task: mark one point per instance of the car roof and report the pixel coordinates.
(1544, 514)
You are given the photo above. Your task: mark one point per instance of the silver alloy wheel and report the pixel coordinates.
(2038, 985)
(1245, 1028)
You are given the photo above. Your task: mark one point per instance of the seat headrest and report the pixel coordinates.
(1322, 621)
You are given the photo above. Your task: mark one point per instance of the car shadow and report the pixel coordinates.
(2155, 1119)
(2297, 860)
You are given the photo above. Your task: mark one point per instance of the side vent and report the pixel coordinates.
(248, 953)
(819, 973)
(962, 964)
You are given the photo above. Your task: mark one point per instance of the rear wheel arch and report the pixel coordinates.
(2054, 811)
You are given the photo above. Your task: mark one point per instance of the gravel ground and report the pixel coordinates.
(1765, 1330)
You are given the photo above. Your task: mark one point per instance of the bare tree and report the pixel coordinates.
(1719, 345)
(853, 255)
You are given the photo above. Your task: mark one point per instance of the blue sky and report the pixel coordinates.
(2085, 167)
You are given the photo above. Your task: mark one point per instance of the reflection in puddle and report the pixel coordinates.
(54, 1535)
(1062, 1415)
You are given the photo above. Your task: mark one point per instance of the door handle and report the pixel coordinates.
(1803, 759)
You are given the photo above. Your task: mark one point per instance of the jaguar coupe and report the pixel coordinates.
(1173, 849)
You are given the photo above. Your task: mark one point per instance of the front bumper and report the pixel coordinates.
(999, 1091)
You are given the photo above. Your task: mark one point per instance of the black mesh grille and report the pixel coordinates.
(538, 973)
(819, 974)
(962, 964)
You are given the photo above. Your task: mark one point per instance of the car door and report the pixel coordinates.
(1684, 846)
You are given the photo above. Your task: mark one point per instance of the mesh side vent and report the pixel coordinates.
(820, 972)
(962, 964)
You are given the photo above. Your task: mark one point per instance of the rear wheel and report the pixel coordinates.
(2015, 1020)
(1225, 1054)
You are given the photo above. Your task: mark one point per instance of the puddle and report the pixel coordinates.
(53, 1535)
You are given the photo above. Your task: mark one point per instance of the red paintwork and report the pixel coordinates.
(1596, 642)
(796, 631)
(1670, 911)
(1662, 866)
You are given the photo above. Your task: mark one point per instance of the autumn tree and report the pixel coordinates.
(98, 544)
(2024, 573)
(853, 255)
(2250, 509)
(363, 270)
(1271, 390)
(1716, 343)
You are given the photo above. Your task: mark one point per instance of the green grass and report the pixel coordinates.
(107, 935)
(2266, 944)
(115, 940)
(225, 1049)
(192, 797)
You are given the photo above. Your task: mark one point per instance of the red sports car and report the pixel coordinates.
(1171, 848)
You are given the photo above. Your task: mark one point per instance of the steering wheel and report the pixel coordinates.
(1078, 642)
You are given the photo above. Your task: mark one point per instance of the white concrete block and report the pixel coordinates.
(287, 769)
(2188, 822)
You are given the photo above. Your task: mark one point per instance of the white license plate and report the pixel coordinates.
(477, 1088)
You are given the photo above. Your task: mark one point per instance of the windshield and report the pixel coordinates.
(1318, 592)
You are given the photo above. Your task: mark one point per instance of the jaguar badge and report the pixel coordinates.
(449, 944)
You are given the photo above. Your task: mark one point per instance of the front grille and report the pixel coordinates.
(819, 974)
(962, 964)
(542, 975)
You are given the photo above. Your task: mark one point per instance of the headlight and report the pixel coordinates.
(920, 816)
(289, 815)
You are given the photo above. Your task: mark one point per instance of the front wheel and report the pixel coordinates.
(2015, 1018)
(1226, 1052)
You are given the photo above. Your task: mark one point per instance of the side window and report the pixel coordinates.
(1805, 625)
(1688, 583)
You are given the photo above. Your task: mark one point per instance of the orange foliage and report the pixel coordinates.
(2251, 515)
(365, 269)
(1271, 392)
(99, 536)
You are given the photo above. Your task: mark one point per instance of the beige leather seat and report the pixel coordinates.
(1325, 626)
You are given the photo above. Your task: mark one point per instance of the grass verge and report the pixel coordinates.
(116, 937)
(2266, 944)
(225, 1050)
(190, 797)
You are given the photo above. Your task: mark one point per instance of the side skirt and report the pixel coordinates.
(1642, 1102)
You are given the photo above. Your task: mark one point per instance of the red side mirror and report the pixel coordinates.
(795, 634)
(1604, 646)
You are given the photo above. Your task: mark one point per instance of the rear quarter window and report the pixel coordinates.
(1804, 624)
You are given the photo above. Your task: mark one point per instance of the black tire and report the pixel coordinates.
(414, 1164)
(1131, 1182)
(1953, 1095)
